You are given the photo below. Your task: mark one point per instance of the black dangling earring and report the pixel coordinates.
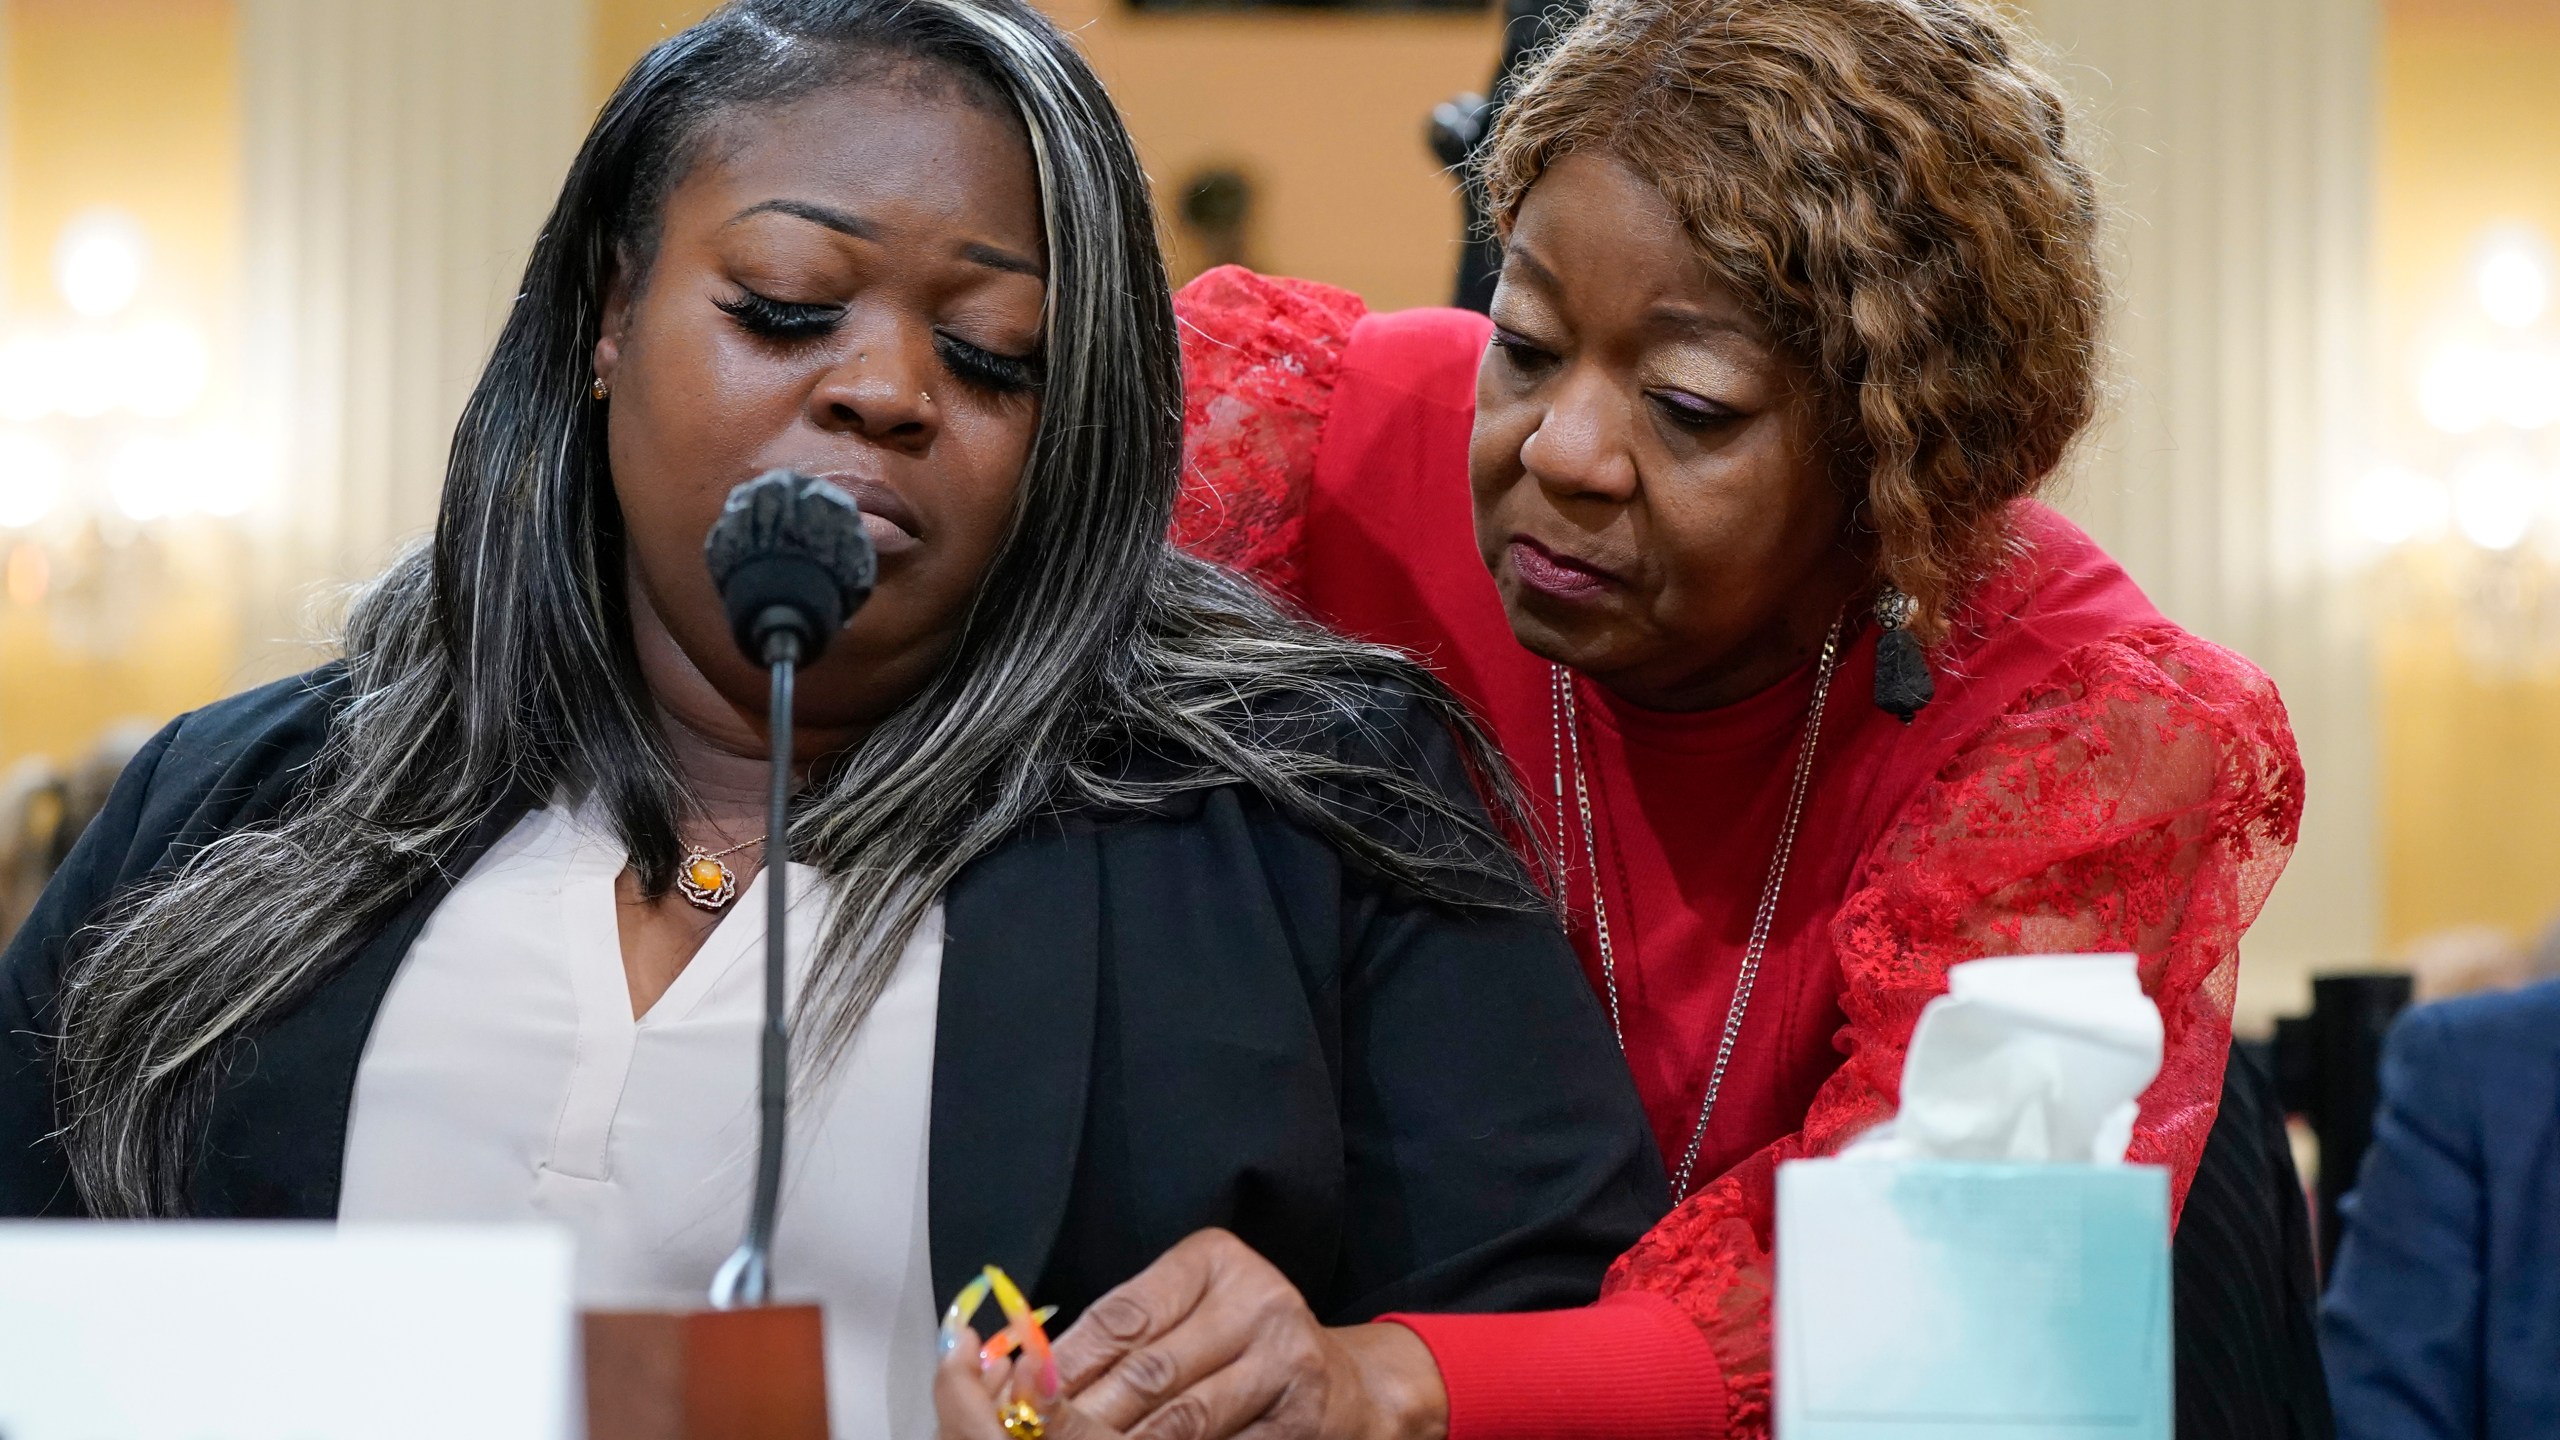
(1903, 682)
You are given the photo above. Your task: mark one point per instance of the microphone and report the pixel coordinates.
(792, 563)
(791, 558)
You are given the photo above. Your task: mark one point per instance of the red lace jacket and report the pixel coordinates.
(2090, 777)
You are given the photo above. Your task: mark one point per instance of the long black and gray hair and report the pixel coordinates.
(498, 662)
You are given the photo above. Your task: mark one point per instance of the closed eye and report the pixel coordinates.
(1524, 354)
(987, 370)
(780, 320)
(1690, 412)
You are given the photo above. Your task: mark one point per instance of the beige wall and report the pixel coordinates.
(134, 104)
(2233, 141)
(138, 103)
(1323, 112)
(623, 30)
(2470, 762)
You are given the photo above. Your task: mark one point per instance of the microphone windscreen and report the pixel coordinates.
(789, 554)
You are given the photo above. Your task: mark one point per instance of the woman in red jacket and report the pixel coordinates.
(1724, 523)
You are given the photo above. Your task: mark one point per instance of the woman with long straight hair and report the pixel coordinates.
(1134, 907)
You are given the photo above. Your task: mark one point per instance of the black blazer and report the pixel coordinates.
(1149, 1023)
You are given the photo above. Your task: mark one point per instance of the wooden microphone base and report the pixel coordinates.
(756, 1374)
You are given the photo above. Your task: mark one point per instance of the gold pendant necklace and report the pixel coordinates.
(705, 881)
(1567, 714)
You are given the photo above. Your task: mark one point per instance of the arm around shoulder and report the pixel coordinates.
(1260, 355)
(1499, 1157)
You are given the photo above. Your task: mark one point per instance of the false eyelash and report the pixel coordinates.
(987, 370)
(780, 319)
(787, 322)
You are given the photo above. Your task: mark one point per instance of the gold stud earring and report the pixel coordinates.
(600, 389)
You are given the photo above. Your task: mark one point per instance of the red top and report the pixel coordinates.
(2089, 778)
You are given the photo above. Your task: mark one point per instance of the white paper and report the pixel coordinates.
(2025, 1059)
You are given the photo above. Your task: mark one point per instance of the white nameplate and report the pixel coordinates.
(252, 1331)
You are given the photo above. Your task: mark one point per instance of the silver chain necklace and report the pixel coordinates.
(1567, 714)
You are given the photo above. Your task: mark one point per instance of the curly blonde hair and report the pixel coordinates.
(1891, 184)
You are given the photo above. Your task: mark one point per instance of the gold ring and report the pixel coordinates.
(1020, 1420)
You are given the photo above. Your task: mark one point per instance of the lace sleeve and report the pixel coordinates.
(1259, 359)
(2143, 797)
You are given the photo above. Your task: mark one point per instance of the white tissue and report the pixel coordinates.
(2030, 1058)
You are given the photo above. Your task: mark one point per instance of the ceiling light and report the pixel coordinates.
(2513, 280)
(2458, 392)
(2395, 505)
(90, 374)
(30, 381)
(98, 263)
(33, 472)
(2495, 494)
(167, 367)
(230, 476)
(2529, 392)
(147, 477)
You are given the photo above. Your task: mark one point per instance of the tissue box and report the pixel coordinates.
(1920, 1299)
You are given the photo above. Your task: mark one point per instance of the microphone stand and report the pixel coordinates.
(746, 1369)
(746, 1278)
(792, 564)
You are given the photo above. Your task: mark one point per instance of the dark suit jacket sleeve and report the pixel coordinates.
(33, 1177)
(2401, 1327)
(1497, 1154)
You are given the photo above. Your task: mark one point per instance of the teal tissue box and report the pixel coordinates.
(1927, 1299)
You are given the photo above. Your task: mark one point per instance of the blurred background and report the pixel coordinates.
(252, 252)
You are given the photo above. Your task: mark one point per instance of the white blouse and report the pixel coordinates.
(505, 1079)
